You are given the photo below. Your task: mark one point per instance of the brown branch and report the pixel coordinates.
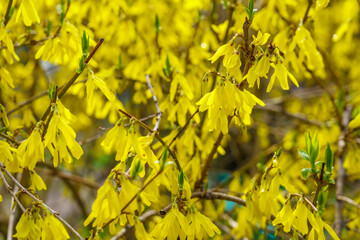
(208, 161)
(300, 117)
(348, 200)
(12, 216)
(306, 15)
(183, 128)
(13, 140)
(341, 174)
(53, 212)
(7, 14)
(305, 199)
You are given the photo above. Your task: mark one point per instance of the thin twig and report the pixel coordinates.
(183, 128)
(7, 14)
(53, 212)
(13, 140)
(158, 118)
(300, 117)
(9, 189)
(341, 174)
(306, 15)
(157, 136)
(305, 199)
(348, 200)
(33, 98)
(12, 216)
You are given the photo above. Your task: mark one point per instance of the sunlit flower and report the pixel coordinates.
(282, 74)
(28, 12)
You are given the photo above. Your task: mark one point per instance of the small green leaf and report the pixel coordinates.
(308, 142)
(303, 154)
(328, 158)
(157, 24)
(163, 159)
(181, 180)
(305, 172)
(278, 152)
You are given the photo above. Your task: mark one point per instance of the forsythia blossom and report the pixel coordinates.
(28, 12)
(31, 150)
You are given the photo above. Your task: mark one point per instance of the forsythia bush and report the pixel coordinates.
(191, 119)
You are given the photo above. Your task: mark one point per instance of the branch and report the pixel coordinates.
(53, 212)
(341, 170)
(12, 216)
(300, 117)
(208, 161)
(7, 14)
(306, 15)
(184, 127)
(305, 199)
(348, 200)
(157, 136)
(158, 118)
(33, 98)
(218, 195)
(9, 189)
(13, 140)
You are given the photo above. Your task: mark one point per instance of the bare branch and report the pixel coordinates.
(341, 170)
(53, 212)
(159, 113)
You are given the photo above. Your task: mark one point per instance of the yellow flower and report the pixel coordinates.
(285, 217)
(8, 53)
(99, 83)
(61, 138)
(29, 225)
(282, 74)
(200, 226)
(301, 216)
(6, 79)
(53, 229)
(3, 114)
(106, 205)
(117, 139)
(36, 182)
(28, 12)
(172, 226)
(260, 39)
(321, 4)
(259, 70)
(140, 232)
(226, 50)
(31, 150)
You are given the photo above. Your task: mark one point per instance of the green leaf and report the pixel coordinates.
(328, 158)
(305, 172)
(157, 24)
(164, 157)
(181, 180)
(308, 142)
(278, 152)
(303, 154)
